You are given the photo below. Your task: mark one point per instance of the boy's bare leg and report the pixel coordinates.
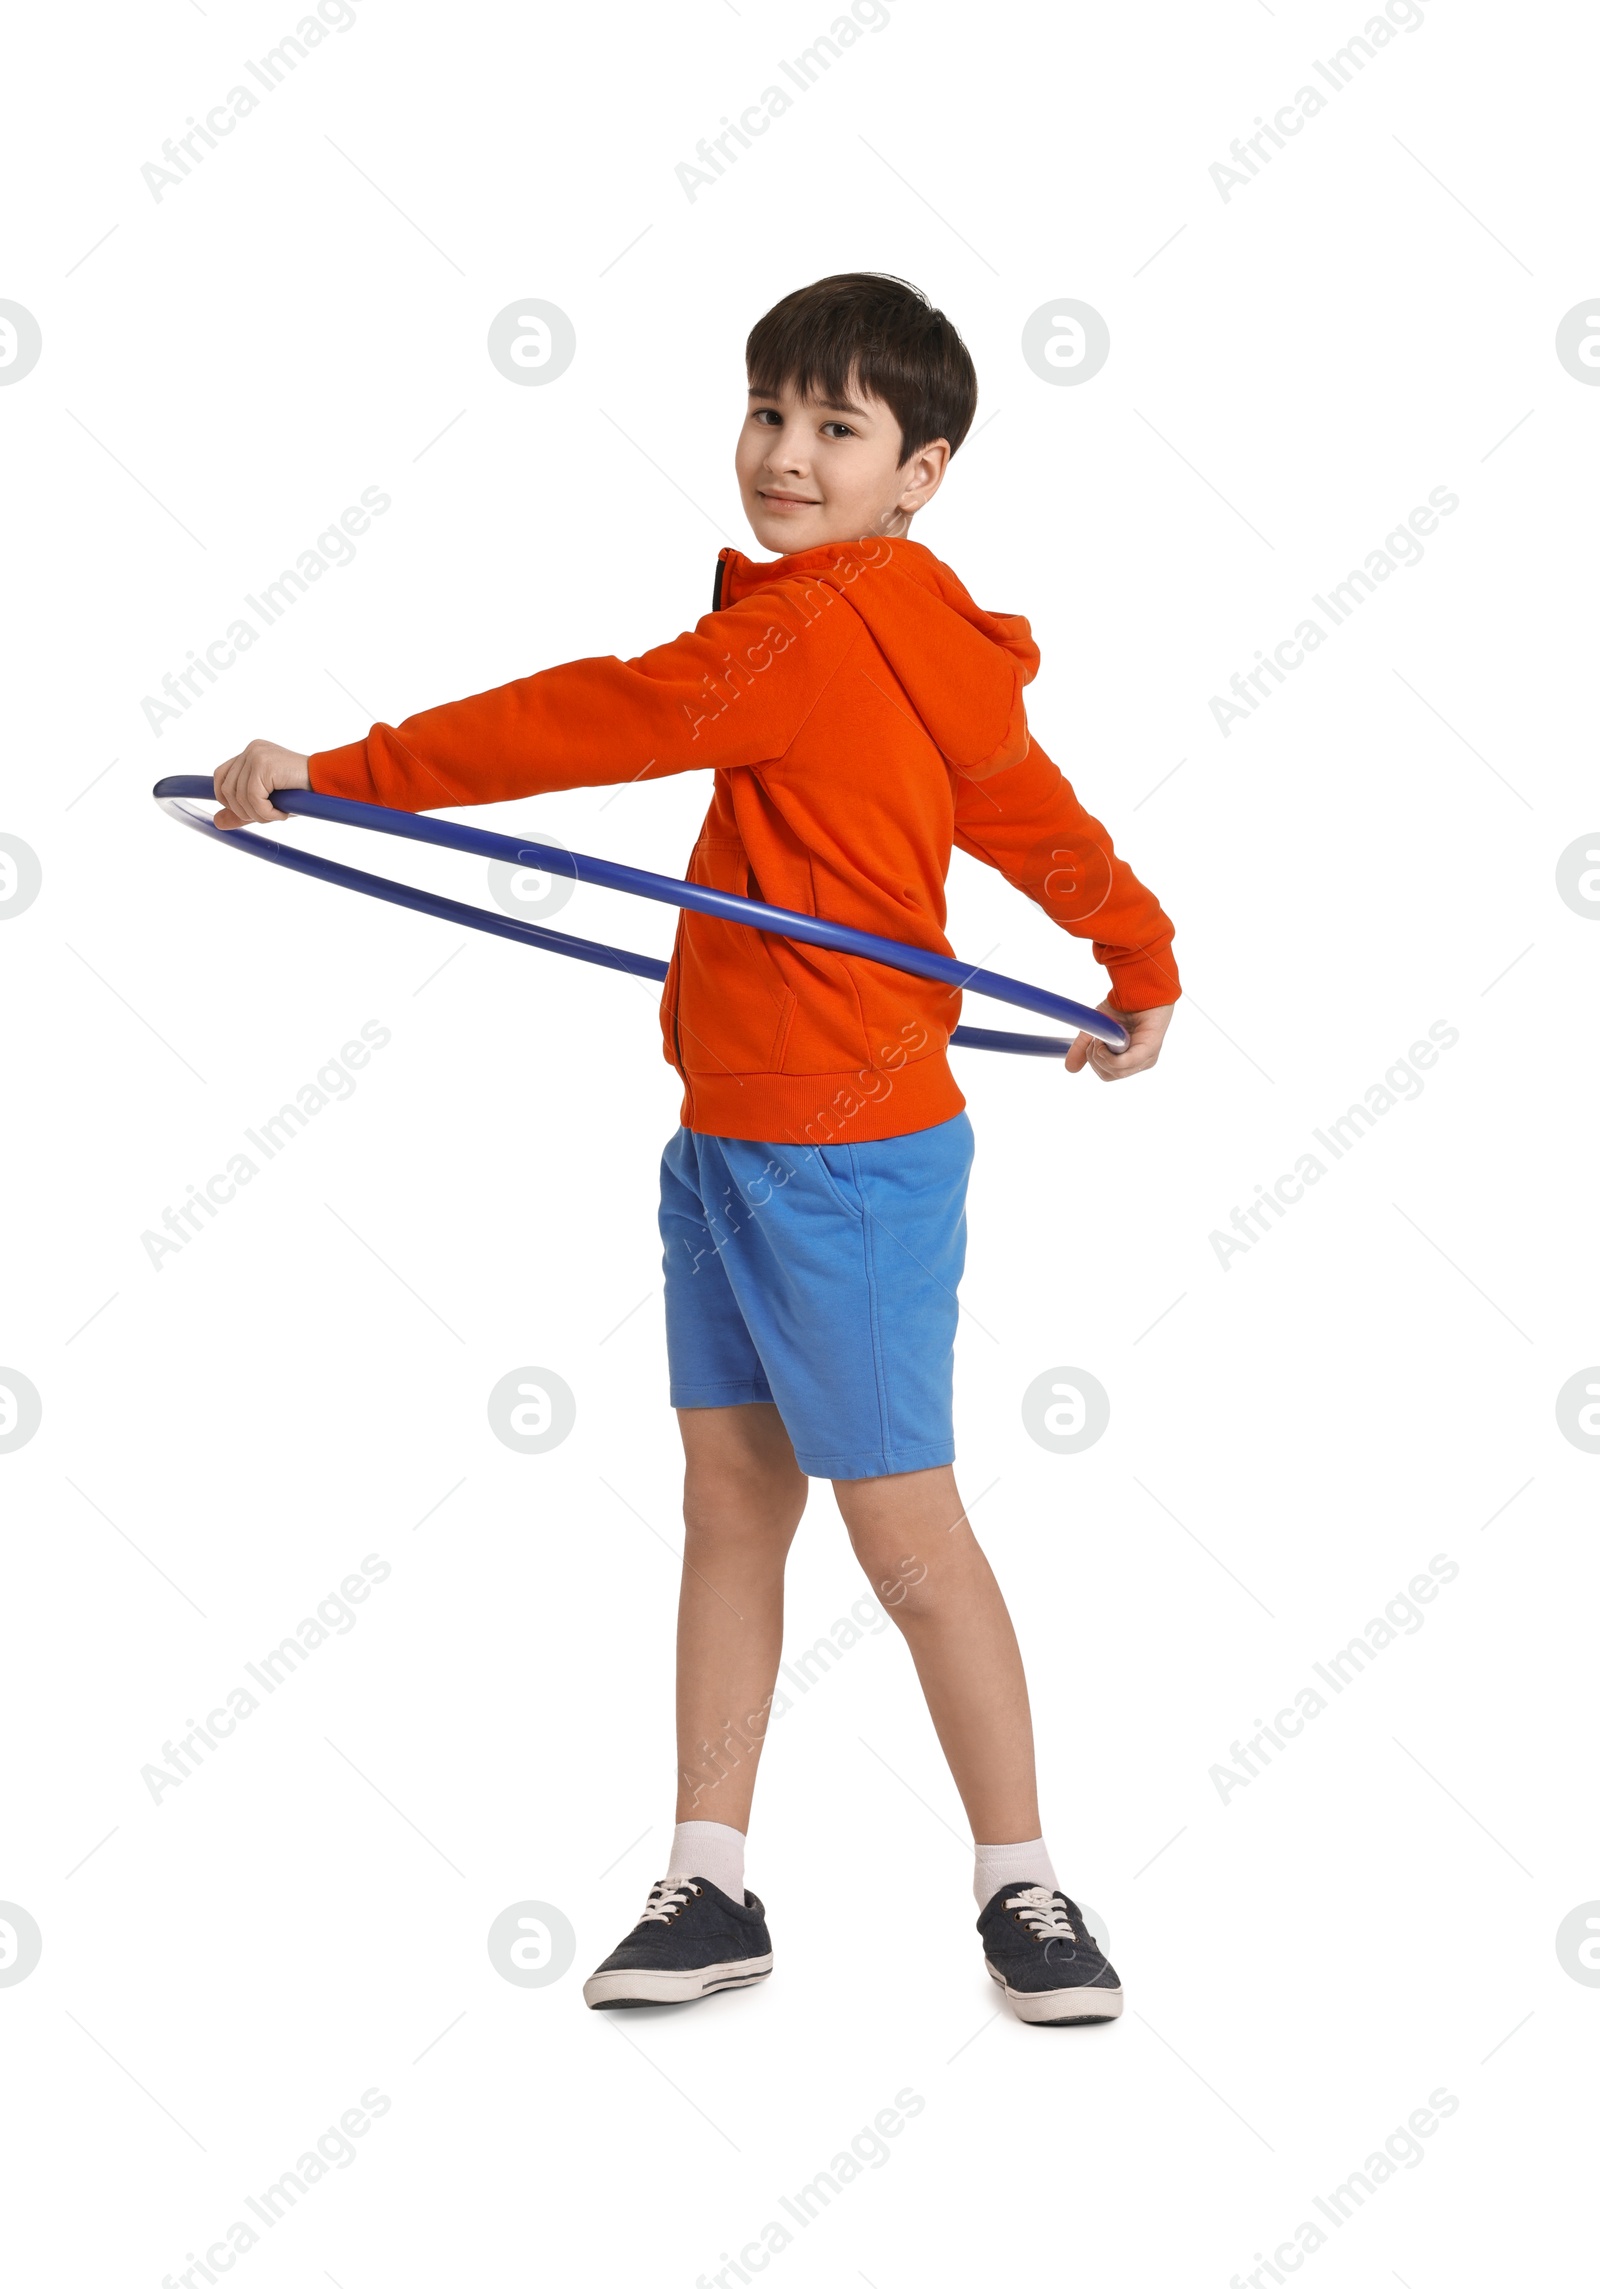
(923, 1561)
(743, 1493)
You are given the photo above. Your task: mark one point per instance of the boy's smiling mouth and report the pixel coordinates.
(789, 500)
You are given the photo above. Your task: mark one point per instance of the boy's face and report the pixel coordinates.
(811, 473)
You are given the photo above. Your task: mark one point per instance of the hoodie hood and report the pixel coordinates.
(962, 668)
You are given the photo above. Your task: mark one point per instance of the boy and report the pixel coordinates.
(860, 713)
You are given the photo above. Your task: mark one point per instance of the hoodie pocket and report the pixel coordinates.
(735, 1009)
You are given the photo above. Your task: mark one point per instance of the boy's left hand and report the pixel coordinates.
(245, 783)
(1145, 1027)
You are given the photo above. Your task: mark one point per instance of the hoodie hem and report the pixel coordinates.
(821, 1108)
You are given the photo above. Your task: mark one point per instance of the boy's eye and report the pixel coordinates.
(843, 428)
(767, 414)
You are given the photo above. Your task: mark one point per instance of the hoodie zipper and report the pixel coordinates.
(723, 555)
(677, 1037)
(676, 967)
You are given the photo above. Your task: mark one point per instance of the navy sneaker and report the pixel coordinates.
(1037, 1946)
(691, 1940)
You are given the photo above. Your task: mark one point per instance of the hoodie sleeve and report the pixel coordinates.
(1025, 821)
(734, 690)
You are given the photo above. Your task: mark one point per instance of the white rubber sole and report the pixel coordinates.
(615, 1990)
(1062, 2006)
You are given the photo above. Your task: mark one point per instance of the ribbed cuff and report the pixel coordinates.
(1144, 981)
(343, 771)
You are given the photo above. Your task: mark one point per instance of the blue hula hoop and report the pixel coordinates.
(175, 795)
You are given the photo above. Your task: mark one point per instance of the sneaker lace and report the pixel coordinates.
(1042, 1912)
(668, 1898)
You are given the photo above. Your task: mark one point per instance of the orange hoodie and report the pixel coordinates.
(861, 714)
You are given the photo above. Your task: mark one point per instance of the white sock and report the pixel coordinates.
(708, 1848)
(999, 1864)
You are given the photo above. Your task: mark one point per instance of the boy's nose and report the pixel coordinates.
(788, 456)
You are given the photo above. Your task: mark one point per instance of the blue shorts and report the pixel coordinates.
(821, 1279)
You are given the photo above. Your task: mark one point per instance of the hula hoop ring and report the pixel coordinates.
(176, 795)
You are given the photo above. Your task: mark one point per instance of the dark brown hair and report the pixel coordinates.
(881, 332)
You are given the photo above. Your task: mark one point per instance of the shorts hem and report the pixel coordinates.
(879, 1464)
(743, 1393)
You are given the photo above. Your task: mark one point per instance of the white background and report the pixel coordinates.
(1292, 1437)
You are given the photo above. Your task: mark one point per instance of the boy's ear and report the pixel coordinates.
(925, 471)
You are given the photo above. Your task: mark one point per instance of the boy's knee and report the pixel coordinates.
(733, 1500)
(896, 1529)
(900, 1579)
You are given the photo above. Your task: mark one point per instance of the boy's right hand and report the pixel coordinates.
(246, 782)
(1145, 1029)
